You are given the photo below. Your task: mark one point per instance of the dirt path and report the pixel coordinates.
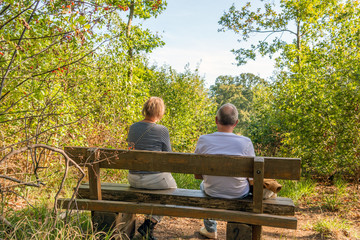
(187, 228)
(309, 213)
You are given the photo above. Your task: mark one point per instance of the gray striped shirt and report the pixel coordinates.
(150, 137)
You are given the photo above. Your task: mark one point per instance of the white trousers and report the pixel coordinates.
(152, 181)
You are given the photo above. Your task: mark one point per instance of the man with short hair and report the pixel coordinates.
(224, 141)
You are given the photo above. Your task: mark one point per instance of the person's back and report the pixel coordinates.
(226, 144)
(148, 136)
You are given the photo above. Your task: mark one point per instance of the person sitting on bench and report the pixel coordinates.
(224, 141)
(147, 135)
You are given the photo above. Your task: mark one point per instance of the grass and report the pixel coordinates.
(40, 223)
(333, 201)
(297, 189)
(331, 228)
(186, 181)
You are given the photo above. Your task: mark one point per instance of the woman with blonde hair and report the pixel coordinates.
(147, 135)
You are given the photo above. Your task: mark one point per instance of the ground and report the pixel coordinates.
(315, 220)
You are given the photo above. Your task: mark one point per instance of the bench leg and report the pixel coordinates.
(107, 221)
(238, 231)
(256, 232)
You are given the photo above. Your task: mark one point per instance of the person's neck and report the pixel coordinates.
(150, 120)
(225, 128)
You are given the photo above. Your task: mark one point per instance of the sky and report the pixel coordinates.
(189, 29)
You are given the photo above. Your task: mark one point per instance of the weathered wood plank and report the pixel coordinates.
(258, 184)
(278, 168)
(188, 197)
(181, 211)
(238, 231)
(94, 179)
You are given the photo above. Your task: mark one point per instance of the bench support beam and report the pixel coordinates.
(180, 211)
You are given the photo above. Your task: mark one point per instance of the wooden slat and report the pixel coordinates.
(179, 211)
(94, 177)
(258, 184)
(188, 197)
(278, 168)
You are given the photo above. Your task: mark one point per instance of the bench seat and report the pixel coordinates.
(187, 197)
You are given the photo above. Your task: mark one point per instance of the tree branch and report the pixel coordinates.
(15, 51)
(17, 15)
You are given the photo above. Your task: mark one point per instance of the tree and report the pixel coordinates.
(287, 28)
(239, 91)
(189, 111)
(57, 62)
(315, 93)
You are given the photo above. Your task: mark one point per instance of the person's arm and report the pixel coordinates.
(250, 150)
(166, 140)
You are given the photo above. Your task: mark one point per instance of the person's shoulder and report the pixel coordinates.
(243, 138)
(134, 125)
(161, 128)
(206, 135)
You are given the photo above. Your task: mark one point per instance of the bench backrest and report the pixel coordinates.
(190, 163)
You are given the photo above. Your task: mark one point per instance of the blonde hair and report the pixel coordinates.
(154, 107)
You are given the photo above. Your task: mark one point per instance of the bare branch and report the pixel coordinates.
(5, 8)
(19, 181)
(15, 51)
(17, 15)
(27, 201)
(54, 127)
(42, 37)
(270, 31)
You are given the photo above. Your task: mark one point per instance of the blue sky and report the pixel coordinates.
(189, 29)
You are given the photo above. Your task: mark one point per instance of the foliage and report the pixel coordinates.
(320, 107)
(312, 108)
(52, 61)
(186, 181)
(297, 189)
(189, 111)
(238, 90)
(329, 228)
(65, 80)
(41, 223)
(331, 203)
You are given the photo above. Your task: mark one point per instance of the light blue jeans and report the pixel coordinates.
(211, 225)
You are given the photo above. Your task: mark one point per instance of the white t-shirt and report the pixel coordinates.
(227, 144)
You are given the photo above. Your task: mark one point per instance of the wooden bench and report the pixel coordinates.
(244, 216)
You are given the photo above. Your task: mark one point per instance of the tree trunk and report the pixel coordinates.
(128, 35)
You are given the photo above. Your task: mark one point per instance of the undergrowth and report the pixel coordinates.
(297, 189)
(41, 223)
(332, 227)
